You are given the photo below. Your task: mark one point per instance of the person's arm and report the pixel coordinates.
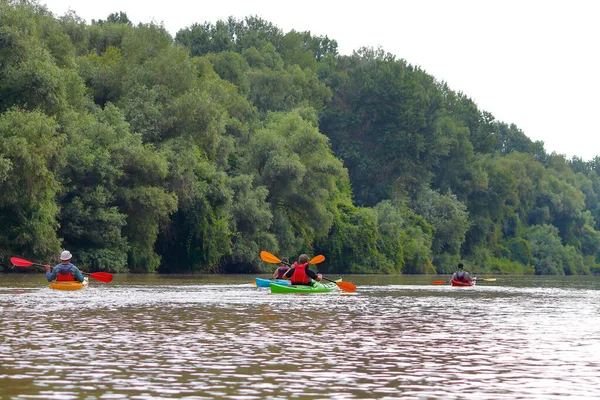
(313, 274)
(51, 273)
(289, 273)
(275, 273)
(77, 273)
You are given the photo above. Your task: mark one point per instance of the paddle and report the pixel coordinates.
(345, 286)
(270, 258)
(99, 276)
(474, 279)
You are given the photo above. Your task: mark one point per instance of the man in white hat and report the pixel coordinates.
(64, 271)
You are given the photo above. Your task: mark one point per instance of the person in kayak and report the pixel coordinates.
(283, 268)
(460, 275)
(65, 271)
(301, 274)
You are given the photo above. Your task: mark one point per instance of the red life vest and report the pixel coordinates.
(65, 273)
(299, 276)
(281, 271)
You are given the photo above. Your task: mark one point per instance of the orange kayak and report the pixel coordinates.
(69, 285)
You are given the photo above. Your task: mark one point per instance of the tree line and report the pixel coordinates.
(143, 152)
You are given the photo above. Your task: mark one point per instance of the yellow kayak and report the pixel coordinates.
(69, 285)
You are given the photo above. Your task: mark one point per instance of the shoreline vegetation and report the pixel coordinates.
(146, 153)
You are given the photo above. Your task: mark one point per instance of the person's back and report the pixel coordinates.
(64, 271)
(283, 268)
(301, 274)
(461, 275)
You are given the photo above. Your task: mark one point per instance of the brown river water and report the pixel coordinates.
(220, 337)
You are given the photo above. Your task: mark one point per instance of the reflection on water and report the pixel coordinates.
(221, 337)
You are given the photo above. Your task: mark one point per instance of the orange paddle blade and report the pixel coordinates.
(270, 258)
(439, 282)
(317, 259)
(346, 286)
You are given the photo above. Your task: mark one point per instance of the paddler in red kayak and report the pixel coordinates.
(301, 274)
(460, 275)
(65, 271)
(283, 268)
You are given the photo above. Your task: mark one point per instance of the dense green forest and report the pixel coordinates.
(143, 152)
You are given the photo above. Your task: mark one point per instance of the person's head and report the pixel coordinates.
(303, 259)
(65, 256)
(285, 261)
(459, 266)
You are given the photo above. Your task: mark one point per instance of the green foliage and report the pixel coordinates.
(448, 216)
(286, 89)
(251, 220)
(198, 235)
(416, 238)
(550, 257)
(520, 250)
(30, 153)
(506, 266)
(141, 154)
(102, 75)
(264, 58)
(353, 242)
(233, 68)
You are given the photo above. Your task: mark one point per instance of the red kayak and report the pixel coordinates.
(461, 283)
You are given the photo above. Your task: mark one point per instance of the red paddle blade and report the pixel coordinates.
(102, 276)
(439, 282)
(19, 262)
(270, 258)
(317, 259)
(346, 286)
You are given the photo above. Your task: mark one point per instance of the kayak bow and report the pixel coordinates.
(260, 282)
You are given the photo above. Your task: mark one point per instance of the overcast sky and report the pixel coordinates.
(534, 63)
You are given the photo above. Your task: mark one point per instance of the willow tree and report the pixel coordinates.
(30, 155)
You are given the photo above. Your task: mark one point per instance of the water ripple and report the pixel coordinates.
(217, 340)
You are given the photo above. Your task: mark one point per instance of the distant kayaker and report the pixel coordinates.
(460, 275)
(283, 268)
(301, 274)
(65, 271)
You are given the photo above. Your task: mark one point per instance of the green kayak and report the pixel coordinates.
(318, 287)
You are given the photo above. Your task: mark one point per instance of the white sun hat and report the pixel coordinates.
(65, 255)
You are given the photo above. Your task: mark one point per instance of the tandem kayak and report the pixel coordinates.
(265, 282)
(69, 285)
(318, 287)
(460, 283)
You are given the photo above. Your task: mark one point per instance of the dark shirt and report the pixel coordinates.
(462, 276)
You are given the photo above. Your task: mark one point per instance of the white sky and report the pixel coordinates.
(534, 63)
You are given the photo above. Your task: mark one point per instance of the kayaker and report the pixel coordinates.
(283, 268)
(460, 275)
(65, 271)
(301, 274)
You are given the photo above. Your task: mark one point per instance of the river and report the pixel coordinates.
(213, 337)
